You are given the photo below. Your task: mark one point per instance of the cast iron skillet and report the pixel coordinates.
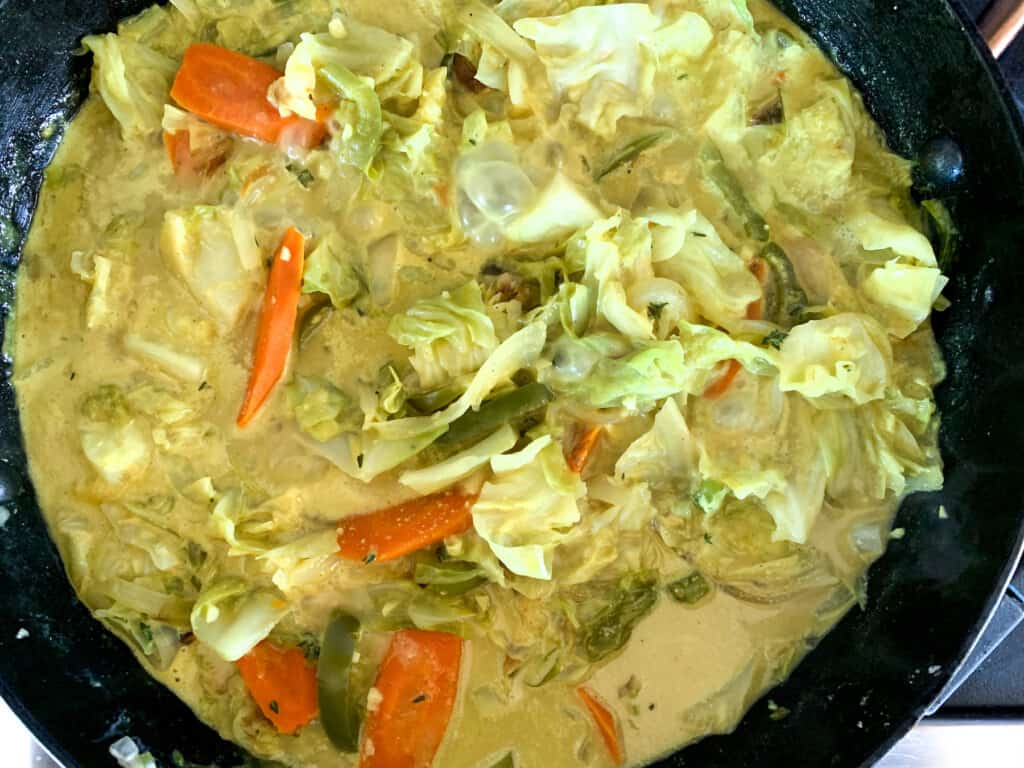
(940, 100)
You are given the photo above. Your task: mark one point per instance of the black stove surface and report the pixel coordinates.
(991, 685)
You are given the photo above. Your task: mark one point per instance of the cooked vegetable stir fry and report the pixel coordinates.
(466, 384)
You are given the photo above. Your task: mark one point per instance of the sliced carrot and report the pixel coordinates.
(277, 323)
(756, 307)
(586, 441)
(418, 682)
(282, 683)
(721, 385)
(396, 531)
(605, 722)
(229, 89)
(188, 164)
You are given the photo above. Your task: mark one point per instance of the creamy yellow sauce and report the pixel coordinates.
(687, 670)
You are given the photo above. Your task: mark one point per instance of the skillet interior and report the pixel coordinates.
(923, 77)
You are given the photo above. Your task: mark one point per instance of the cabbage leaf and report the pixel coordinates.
(594, 58)
(837, 362)
(389, 61)
(213, 250)
(231, 617)
(449, 335)
(133, 80)
(113, 441)
(328, 270)
(527, 508)
(460, 466)
(902, 295)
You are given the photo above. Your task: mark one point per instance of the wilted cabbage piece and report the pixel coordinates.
(133, 80)
(837, 362)
(389, 61)
(214, 251)
(331, 269)
(524, 511)
(112, 439)
(449, 335)
(231, 617)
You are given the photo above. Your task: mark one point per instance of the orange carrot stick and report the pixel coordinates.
(584, 445)
(605, 722)
(282, 683)
(756, 307)
(721, 385)
(229, 89)
(277, 323)
(418, 682)
(395, 531)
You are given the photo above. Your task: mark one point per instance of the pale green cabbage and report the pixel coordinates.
(449, 335)
(885, 231)
(841, 361)
(213, 250)
(320, 409)
(231, 617)
(871, 451)
(594, 58)
(616, 254)
(717, 279)
(460, 466)
(664, 456)
(902, 295)
(330, 270)
(112, 439)
(133, 80)
(526, 509)
(388, 60)
(386, 444)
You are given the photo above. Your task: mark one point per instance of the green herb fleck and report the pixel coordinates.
(420, 699)
(775, 339)
(274, 707)
(707, 538)
(369, 558)
(303, 175)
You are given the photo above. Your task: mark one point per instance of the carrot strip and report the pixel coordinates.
(395, 531)
(605, 722)
(229, 89)
(721, 385)
(418, 682)
(188, 164)
(584, 445)
(277, 323)
(756, 308)
(282, 683)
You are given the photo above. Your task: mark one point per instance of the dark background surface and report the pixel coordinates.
(78, 688)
